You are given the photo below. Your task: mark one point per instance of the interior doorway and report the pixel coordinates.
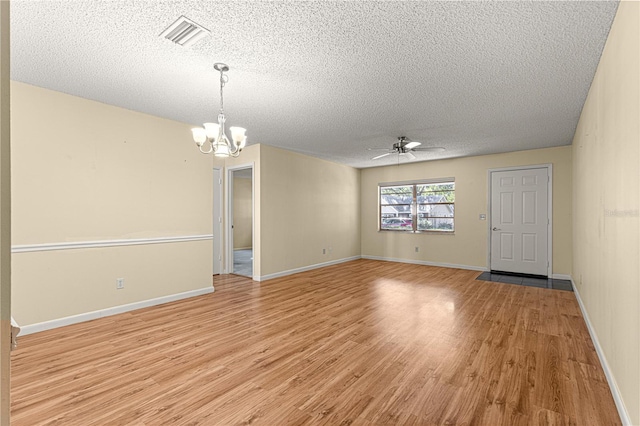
(240, 220)
(520, 225)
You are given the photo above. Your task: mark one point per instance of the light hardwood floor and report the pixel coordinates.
(364, 342)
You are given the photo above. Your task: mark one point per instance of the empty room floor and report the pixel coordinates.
(364, 342)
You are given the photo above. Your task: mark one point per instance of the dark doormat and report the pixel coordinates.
(527, 280)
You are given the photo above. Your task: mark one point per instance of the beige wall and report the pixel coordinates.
(606, 205)
(468, 246)
(86, 171)
(242, 208)
(307, 205)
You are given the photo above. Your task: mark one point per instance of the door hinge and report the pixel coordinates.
(220, 181)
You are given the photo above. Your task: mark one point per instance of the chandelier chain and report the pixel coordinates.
(223, 81)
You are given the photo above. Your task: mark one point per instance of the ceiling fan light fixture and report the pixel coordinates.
(405, 147)
(412, 145)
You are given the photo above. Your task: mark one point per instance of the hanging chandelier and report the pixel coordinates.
(213, 134)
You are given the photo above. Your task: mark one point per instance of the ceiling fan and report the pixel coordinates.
(406, 147)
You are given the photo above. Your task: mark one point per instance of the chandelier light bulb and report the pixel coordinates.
(238, 137)
(199, 135)
(212, 130)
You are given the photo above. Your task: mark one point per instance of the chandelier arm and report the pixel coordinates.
(207, 152)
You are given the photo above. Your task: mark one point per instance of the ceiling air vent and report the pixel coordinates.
(185, 32)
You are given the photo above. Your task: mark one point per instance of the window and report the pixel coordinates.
(396, 207)
(417, 207)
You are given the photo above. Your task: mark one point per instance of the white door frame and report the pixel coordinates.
(217, 224)
(549, 168)
(229, 220)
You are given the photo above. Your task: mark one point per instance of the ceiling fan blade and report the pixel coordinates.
(380, 156)
(402, 147)
(433, 149)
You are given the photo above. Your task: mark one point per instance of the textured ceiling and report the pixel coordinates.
(331, 79)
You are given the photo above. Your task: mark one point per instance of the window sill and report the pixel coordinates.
(418, 232)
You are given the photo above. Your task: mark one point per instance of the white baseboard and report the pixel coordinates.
(304, 268)
(426, 262)
(613, 385)
(88, 316)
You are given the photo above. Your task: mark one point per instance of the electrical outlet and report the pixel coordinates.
(330, 250)
(119, 283)
(324, 251)
(417, 249)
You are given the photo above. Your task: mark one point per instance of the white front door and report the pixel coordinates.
(519, 221)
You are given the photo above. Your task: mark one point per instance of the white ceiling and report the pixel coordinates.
(331, 78)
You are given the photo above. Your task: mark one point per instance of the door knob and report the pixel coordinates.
(496, 229)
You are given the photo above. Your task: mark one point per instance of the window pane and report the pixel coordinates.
(435, 224)
(435, 210)
(397, 223)
(436, 192)
(395, 208)
(402, 210)
(396, 194)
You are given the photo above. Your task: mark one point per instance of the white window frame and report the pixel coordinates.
(414, 205)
